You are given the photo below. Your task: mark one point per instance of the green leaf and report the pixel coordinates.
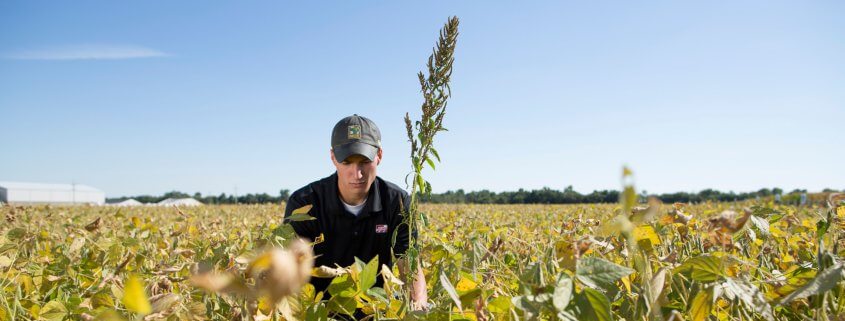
(53, 311)
(701, 305)
(368, 275)
(763, 211)
(342, 286)
(705, 268)
(434, 151)
(451, 290)
(430, 162)
(342, 304)
(300, 217)
(821, 227)
(379, 294)
(592, 305)
(600, 273)
(499, 305)
(421, 183)
(301, 214)
(823, 282)
(134, 297)
(563, 293)
(317, 312)
(16, 234)
(102, 299)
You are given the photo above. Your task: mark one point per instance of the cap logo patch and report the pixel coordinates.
(353, 132)
(381, 228)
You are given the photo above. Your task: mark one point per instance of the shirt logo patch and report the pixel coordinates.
(381, 228)
(353, 132)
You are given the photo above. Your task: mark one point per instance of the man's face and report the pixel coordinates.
(355, 174)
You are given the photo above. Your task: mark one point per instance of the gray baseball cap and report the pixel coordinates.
(355, 135)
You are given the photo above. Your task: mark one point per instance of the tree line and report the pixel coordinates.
(570, 196)
(537, 196)
(262, 198)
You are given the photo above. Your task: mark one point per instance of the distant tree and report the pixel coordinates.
(284, 194)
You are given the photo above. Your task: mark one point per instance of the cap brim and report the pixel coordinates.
(343, 152)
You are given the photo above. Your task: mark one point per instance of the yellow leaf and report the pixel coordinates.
(626, 282)
(776, 232)
(260, 263)
(702, 304)
(646, 232)
(388, 275)
(3, 315)
(302, 210)
(465, 284)
(134, 297)
(265, 305)
(565, 254)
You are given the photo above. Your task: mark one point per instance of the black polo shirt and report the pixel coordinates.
(346, 236)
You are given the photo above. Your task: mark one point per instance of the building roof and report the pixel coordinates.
(47, 187)
(129, 202)
(180, 202)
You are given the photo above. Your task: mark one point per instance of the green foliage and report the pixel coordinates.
(600, 273)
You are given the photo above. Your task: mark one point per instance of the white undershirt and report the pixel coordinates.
(354, 209)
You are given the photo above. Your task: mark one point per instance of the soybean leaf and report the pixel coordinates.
(301, 214)
(53, 311)
(451, 290)
(702, 304)
(823, 282)
(134, 297)
(705, 268)
(592, 305)
(749, 295)
(368, 274)
(563, 293)
(600, 273)
(761, 224)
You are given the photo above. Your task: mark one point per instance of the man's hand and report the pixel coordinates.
(419, 292)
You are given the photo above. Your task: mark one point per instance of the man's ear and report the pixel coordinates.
(379, 156)
(331, 153)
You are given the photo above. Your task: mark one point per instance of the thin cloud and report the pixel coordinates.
(86, 52)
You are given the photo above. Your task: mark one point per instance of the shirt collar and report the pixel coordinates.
(373, 196)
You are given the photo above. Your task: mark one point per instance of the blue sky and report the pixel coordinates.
(149, 97)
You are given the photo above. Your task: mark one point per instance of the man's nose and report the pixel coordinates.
(359, 172)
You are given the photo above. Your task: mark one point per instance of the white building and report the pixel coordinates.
(37, 193)
(179, 202)
(129, 202)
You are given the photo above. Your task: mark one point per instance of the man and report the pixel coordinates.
(358, 213)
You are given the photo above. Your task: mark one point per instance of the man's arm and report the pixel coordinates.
(419, 292)
(306, 229)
